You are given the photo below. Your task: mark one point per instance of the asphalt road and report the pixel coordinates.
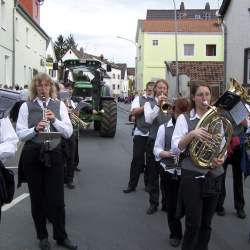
(100, 217)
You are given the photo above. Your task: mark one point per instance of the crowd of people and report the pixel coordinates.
(162, 136)
(161, 151)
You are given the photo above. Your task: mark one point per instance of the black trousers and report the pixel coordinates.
(153, 169)
(198, 211)
(171, 188)
(138, 161)
(46, 187)
(69, 150)
(239, 201)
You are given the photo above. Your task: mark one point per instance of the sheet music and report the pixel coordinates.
(239, 112)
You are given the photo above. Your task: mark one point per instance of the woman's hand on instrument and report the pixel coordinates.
(50, 115)
(161, 99)
(201, 133)
(218, 161)
(41, 126)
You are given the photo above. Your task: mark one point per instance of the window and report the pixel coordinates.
(118, 76)
(155, 42)
(113, 86)
(188, 49)
(27, 37)
(113, 76)
(7, 70)
(17, 29)
(210, 50)
(247, 66)
(3, 14)
(118, 86)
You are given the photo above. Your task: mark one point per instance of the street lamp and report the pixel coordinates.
(176, 51)
(135, 44)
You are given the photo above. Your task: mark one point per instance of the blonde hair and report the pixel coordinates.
(38, 79)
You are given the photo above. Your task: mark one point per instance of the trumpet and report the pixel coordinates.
(165, 106)
(75, 120)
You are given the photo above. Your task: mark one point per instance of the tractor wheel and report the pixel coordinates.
(97, 125)
(109, 118)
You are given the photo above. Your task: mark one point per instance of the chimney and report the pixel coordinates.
(81, 51)
(207, 6)
(182, 7)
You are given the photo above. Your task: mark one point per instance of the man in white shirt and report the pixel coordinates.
(140, 139)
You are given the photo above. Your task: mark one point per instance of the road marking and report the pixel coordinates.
(12, 167)
(15, 201)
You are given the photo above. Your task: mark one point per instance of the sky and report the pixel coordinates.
(95, 24)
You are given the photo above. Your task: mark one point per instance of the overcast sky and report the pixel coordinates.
(95, 24)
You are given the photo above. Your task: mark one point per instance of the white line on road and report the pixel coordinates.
(15, 201)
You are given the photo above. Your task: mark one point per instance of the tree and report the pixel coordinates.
(70, 42)
(60, 47)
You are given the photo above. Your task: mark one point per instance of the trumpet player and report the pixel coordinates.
(155, 117)
(45, 183)
(170, 173)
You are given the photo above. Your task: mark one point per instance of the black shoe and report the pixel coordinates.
(77, 169)
(67, 244)
(174, 242)
(221, 211)
(44, 244)
(152, 209)
(128, 190)
(71, 185)
(241, 213)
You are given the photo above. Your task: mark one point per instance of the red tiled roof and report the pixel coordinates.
(184, 25)
(210, 72)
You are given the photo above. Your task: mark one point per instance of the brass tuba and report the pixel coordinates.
(221, 129)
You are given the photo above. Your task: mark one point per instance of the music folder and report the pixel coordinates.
(49, 136)
(234, 106)
(8, 99)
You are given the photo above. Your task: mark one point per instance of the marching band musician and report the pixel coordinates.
(170, 172)
(199, 187)
(45, 180)
(155, 117)
(141, 132)
(8, 143)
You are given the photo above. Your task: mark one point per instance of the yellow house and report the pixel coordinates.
(197, 41)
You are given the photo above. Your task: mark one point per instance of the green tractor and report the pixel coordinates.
(89, 88)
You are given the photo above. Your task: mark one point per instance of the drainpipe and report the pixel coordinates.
(224, 28)
(14, 45)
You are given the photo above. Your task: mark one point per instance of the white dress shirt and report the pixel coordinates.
(160, 144)
(136, 104)
(8, 139)
(151, 113)
(25, 133)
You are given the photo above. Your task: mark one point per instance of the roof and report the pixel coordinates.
(131, 71)
(187, 13)
(184, 25)
(224, 7)
(210, 72)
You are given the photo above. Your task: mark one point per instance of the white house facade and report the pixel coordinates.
(50, 59)
(6, 42)
(236, 22)
(30, 47)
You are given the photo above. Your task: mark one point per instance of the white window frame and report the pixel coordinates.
(184, 47)
(3, 9)
(155, 42)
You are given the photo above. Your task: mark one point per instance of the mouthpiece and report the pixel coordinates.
(205, 103)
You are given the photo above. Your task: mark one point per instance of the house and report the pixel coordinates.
(236, 22)
(22, 44)
(50, 59)
(112, 78)
(131, 79)
(197, 41)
